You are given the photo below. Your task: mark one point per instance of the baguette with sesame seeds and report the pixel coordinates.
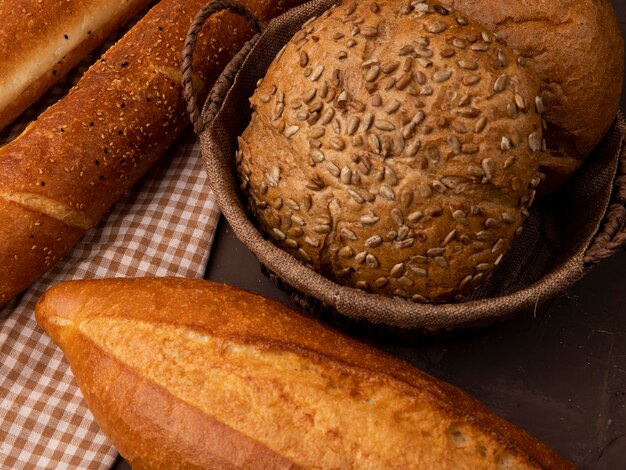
(41, 40)
(64, 172)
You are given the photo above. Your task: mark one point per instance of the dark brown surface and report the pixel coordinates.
(559, 372)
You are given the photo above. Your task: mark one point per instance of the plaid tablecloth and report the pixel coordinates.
(163, 227)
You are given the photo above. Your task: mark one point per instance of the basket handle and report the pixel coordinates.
(613, 235)
(213, 6)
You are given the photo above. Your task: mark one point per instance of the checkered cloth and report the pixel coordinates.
(163, 227)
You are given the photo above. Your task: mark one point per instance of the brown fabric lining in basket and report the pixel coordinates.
(550, 255)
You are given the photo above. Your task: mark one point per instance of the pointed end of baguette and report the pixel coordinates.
(58, 310)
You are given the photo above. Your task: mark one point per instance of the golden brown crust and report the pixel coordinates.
(84, 152)
(577, 50)
(394, 151)
(40, 238)
(43, 39)
(111, 389)
(152, 355)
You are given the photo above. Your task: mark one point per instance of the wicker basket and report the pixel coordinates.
(564, 236)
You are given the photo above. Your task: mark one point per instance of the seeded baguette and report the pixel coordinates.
(401, 155)
(193, 374)
(69, 167)
(576, 48)
(41, 40)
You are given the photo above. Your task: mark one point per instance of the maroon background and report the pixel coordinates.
(559, 372)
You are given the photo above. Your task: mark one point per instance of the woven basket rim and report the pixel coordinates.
(300, 278)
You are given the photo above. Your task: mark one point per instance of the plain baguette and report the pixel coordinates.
(41, 40)
(69, 167)
(192, 374)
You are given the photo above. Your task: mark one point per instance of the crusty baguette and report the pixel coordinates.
(41, 40)
(193, 374)
(65, 171)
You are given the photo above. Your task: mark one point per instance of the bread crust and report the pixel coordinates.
(43, 39)
(577, 49)
(149, 355)
(84, 152)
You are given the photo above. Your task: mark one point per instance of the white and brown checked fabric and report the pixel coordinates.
(163, 227)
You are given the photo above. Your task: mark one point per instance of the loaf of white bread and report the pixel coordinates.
(41, 40)
(67, 169)
(192, 374)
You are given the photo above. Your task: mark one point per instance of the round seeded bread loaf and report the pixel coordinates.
(576, 48)
(394, 147)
